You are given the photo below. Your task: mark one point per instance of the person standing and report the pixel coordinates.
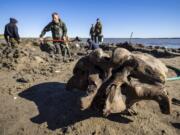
(11, 34)
(98, 31)
(59, 32)
(91, 33)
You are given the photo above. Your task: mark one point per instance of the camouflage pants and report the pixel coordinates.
(57, 48)
(64, 48)
(48, 47)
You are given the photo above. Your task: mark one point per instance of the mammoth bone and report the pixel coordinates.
(114, 83)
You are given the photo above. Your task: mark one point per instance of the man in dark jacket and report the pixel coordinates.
(91, 32)
(59, 32)
(92, 45)
(11, 34)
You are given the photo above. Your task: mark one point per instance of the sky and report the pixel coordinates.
(145, 18)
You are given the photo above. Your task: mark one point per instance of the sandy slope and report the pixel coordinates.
(43, 106)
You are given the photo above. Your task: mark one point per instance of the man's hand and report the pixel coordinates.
(66, 39)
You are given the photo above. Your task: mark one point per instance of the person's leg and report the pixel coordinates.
(12, 41)
(92, 37)
(51, 49)
(99, 39)
(12, 44)
(65, 52)
(68, 51)
(95, 38)
(57, 48)
(48, 47)
(62, 49)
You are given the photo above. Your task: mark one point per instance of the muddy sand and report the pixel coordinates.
(33, 99)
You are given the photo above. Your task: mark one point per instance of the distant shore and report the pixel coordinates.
(162, 42)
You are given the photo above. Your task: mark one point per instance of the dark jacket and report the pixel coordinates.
(91, 31)
(11, 30)
(92, 45)
(58, 30)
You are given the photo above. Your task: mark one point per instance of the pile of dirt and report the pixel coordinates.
(28, 60)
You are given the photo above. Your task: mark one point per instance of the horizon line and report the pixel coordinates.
(123, 37)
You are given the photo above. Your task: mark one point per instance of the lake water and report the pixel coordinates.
(166, 42)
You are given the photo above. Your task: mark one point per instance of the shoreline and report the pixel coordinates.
(134, 41)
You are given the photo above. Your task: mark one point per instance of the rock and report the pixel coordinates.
(163, 132)
(156, 51)
(38, 59)
(25, 79)
(22, 80)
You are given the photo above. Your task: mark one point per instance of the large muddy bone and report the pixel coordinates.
(113, 84)
(142, 65)
(88, 75)
(95, 64)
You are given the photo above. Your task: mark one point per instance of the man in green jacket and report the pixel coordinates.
(59, 32)
(98, 31)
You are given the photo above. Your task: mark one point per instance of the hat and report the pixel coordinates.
(13, 20)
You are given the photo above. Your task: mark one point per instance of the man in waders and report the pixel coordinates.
(59, 32)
